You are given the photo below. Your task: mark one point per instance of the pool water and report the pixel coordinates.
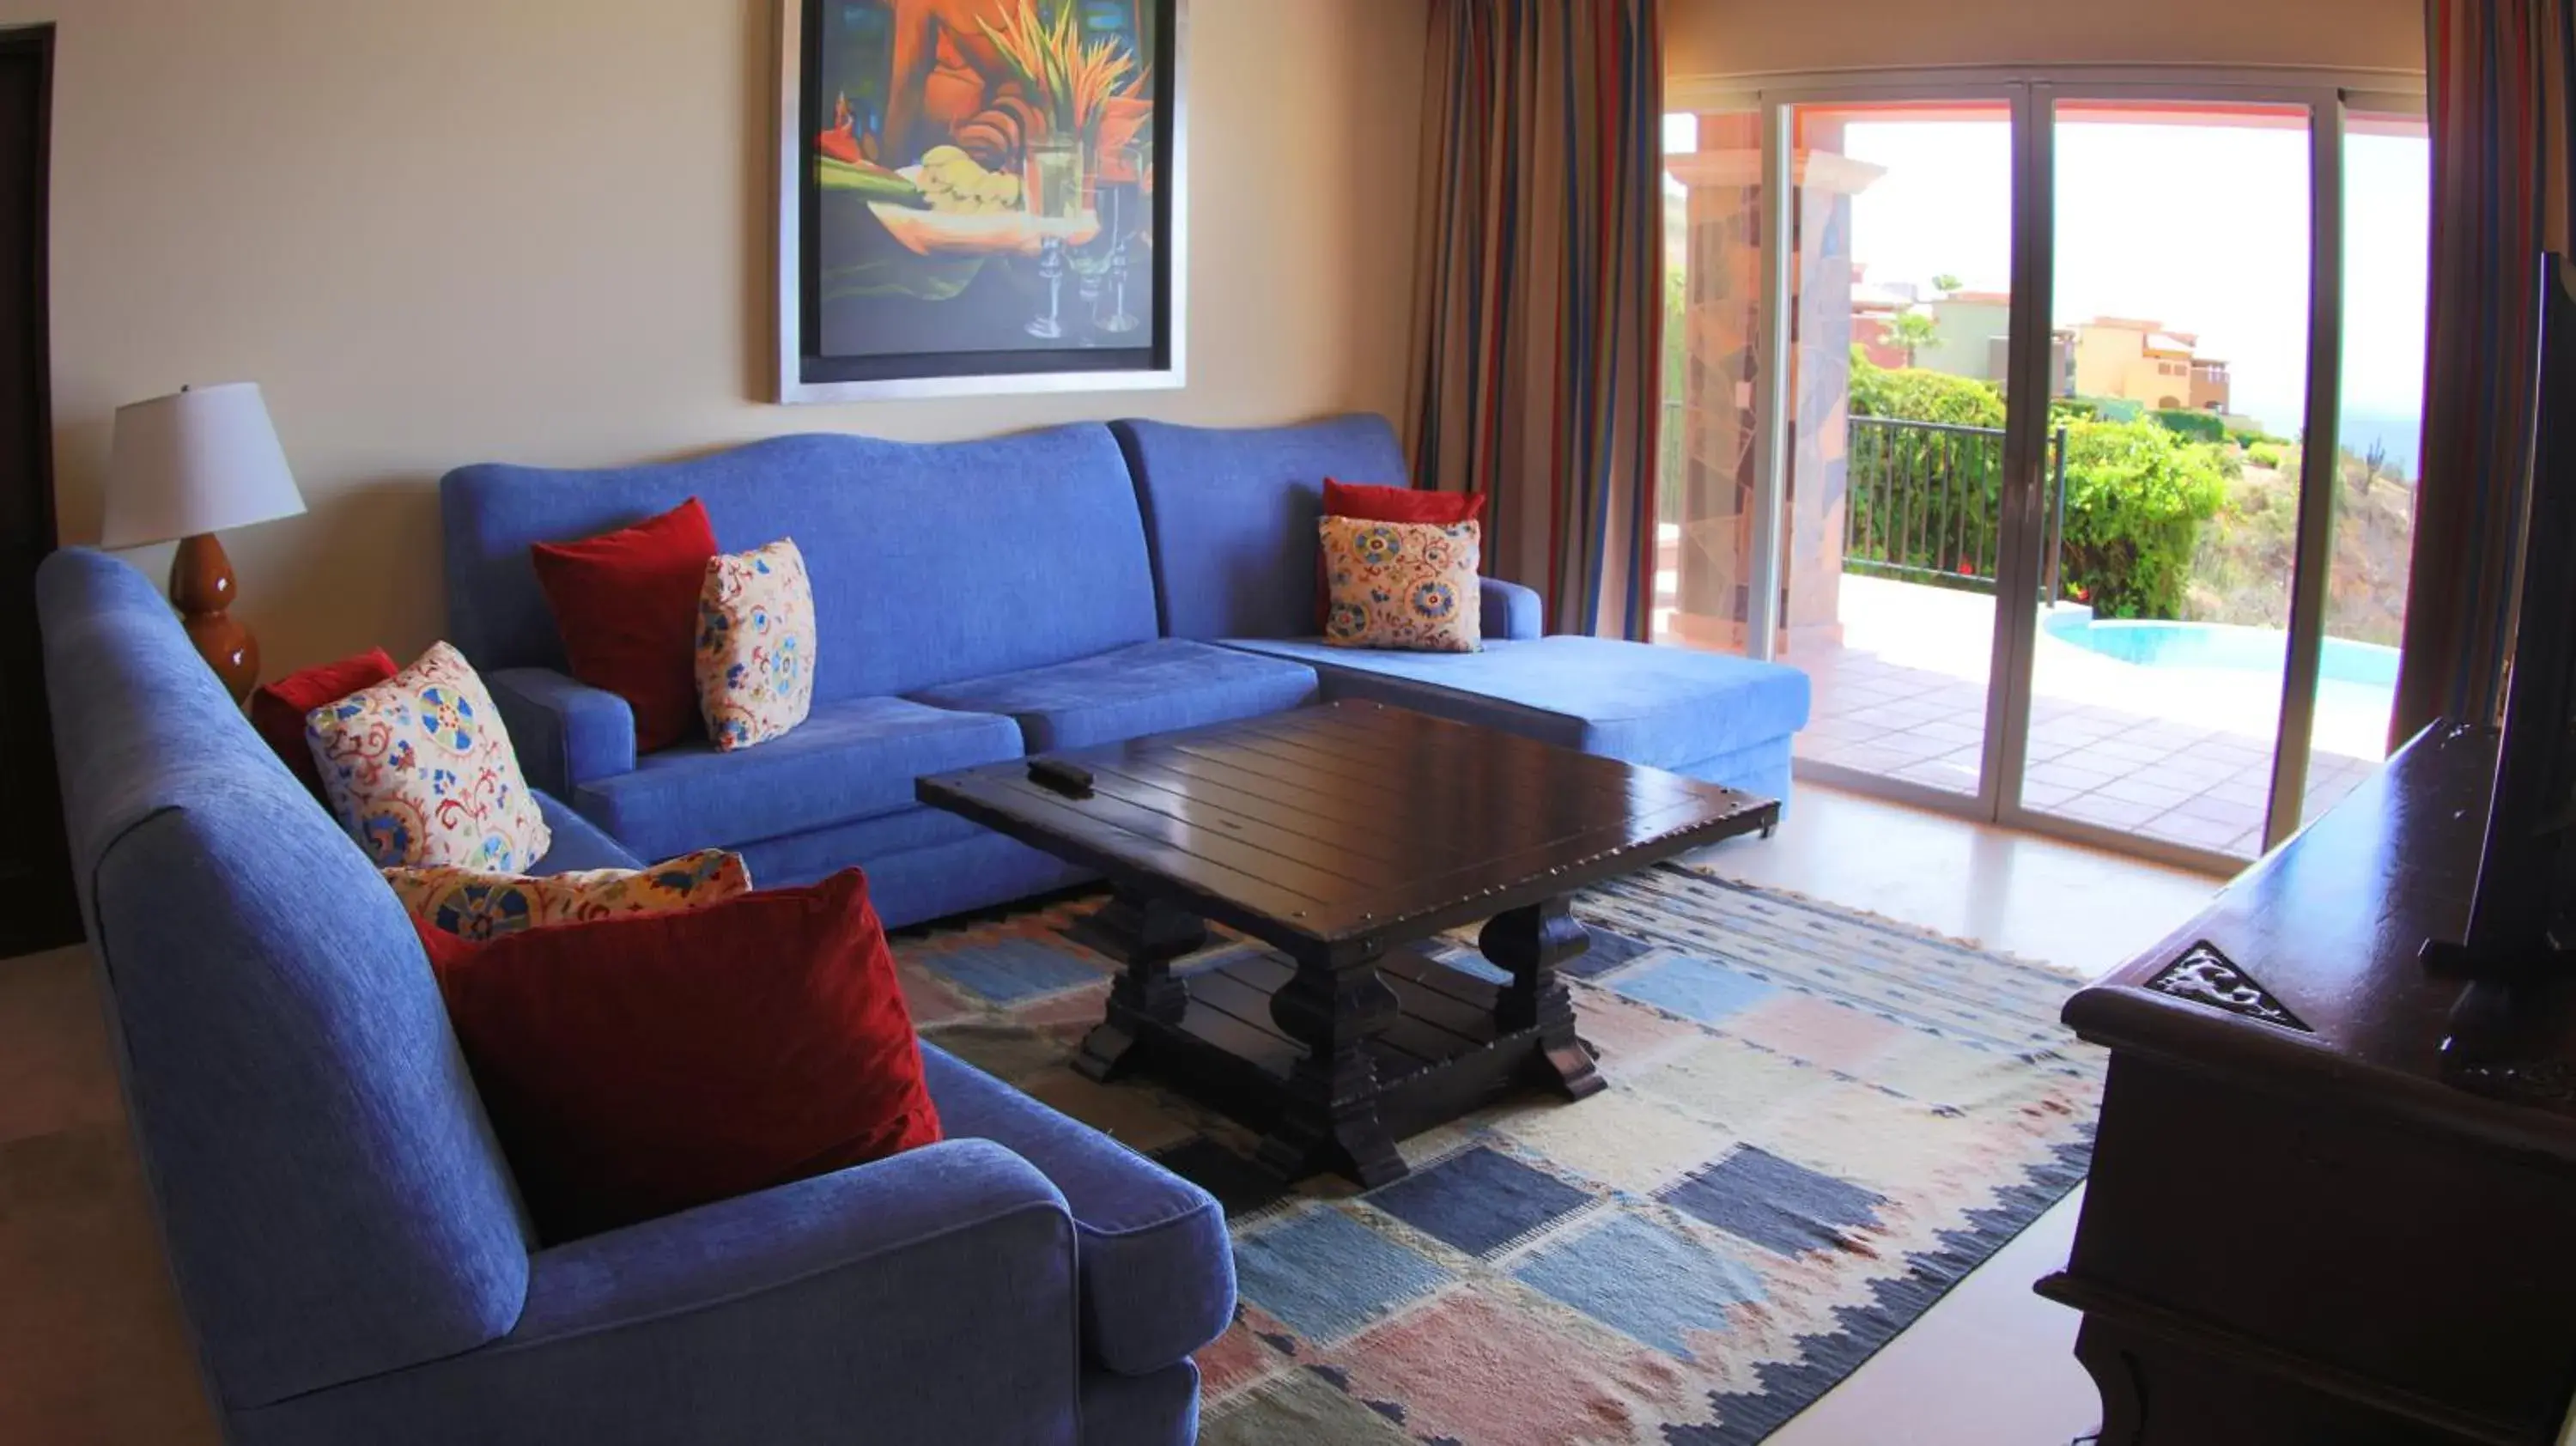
(2220, 646)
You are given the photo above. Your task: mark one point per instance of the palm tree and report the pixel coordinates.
(1912, 331)
(1945, 283)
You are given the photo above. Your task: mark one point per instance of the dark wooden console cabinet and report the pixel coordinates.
(2296, 1231)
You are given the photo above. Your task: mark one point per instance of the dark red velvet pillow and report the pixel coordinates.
(1370, 502)
(638, 1065)
(278, 709)
(626, 603)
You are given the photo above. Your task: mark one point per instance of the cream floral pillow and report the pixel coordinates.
(1409, 585)
(421, 771)
(476, 905)
(755, 645)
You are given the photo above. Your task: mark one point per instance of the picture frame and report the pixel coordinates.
(980, 211)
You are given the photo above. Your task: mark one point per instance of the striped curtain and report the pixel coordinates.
(1539, 329)
(2497, 72)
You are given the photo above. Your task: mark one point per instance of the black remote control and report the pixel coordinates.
(1068, 779)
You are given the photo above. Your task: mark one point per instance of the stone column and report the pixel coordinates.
(1724, 274)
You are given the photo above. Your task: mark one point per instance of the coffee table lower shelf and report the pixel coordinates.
(1442, 1053)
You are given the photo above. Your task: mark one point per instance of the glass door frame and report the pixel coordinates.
(2032, 94)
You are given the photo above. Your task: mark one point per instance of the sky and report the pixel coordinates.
(2204, 228)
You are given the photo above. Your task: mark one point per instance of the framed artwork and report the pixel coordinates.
(978, 196)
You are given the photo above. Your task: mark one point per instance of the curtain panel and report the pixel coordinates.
(1538, 335)
(2498, 105)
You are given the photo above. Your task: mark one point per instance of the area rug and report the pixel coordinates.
(1818, 1122)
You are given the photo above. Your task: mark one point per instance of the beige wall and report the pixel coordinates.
(450, 231)
(1744, 37)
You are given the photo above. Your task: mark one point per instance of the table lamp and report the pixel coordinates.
(183, 467)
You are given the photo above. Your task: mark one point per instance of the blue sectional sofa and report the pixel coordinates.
(983, 600)
(347, 1240)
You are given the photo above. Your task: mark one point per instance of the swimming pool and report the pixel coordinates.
(2219, 646)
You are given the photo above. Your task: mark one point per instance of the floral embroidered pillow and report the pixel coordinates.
(420, 771)
(475, 905)
(1408, 585)
(755, 645)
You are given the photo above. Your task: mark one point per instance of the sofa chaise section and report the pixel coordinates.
(1230, 515)
(1724, 719)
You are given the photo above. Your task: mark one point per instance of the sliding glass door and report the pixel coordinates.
(1880, 542)
(2158, 663)
(2006, 441)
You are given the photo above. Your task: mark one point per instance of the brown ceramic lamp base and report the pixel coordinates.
(202, 588)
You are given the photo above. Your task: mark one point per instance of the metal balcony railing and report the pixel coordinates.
(1923, 500)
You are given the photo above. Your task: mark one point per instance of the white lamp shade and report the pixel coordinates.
(200, 460)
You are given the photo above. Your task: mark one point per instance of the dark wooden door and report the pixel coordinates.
(36, 904)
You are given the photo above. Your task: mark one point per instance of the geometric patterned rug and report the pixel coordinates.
(1818, 1121)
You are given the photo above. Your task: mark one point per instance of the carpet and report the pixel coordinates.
(1818, 1122)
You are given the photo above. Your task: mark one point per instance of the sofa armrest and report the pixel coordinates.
(940, 1282)
(898, 1207)
(1511, 611)
(566, 733)
(925, 1297)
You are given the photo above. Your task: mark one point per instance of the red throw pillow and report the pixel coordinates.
(1371, 502)
(278, 710)
(638, 1065)
(626, 603)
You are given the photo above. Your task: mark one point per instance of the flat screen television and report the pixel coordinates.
(2509, 1030)
(2516, 917)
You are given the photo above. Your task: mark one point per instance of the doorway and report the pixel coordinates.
(2005, 444)
(37, 910)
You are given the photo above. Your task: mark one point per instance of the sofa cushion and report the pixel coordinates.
(420, 770)
(472, 904)
(277, 710)
(640, 1065)
(626, 604)
(1230, 513)
(1157, 1268)
(1038, 531)
(1129, 692)
(756, 646)
(1407, 585)
(851, 759)
(1660, 707)
(1378, 502)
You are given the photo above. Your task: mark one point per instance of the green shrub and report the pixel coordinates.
(2199, 426)
(2264, 454)
(2136, 495)
(2136, 491)
(1916, 395)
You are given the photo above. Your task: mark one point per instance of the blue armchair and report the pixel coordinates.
(346, 1238)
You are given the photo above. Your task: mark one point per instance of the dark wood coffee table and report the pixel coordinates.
(1339, 835)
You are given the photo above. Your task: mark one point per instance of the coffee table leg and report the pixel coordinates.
(1529, 943)
(1330, 1121)
(1147, 934)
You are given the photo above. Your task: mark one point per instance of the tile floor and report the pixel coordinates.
(92, 1351)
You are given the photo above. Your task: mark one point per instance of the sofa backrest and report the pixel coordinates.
(931, 562)
(328, 1187)
(1231, 511)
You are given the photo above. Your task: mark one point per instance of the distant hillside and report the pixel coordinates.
(2402, 436)
(2240, 571)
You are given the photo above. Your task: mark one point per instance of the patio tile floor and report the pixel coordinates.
(2172, 756)
(2197, 787)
